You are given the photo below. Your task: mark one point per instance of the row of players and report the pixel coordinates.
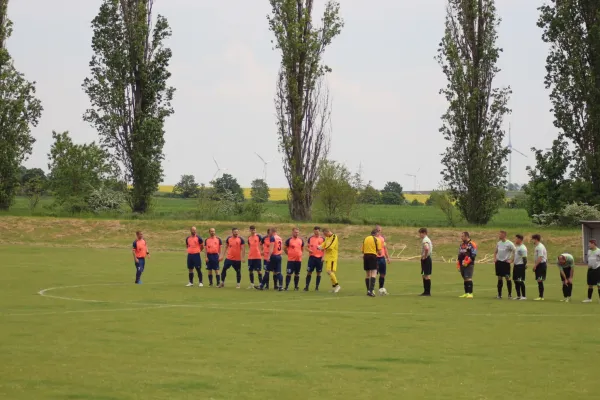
(323, 249)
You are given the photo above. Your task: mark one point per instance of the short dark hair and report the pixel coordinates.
(252, 227)
(503, 232)
(374, 232)
(423, 230)
(325, 230)
(234, 229)
(593, 241)
(536, 237)
(317, 228)
(519, 236)
(467, 234)
(138, 232)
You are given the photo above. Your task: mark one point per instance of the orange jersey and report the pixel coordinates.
(234, 248)
(278, 248)
(213, 245)
(313, 243)
(295, 246)
(383, 248)
(141, 248)
(194, 244)
(254, 242)
(266, 243)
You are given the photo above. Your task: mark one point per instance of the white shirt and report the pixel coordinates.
(426, 241)
(540, 251)
(504, 250)
(520, 253)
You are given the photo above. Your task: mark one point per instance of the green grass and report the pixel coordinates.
(182, 209)
(97, 336)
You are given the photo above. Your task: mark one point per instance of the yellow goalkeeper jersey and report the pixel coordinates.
(331, 246)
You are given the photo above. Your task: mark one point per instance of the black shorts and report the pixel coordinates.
(468, 271)
(381, 266)
(567, 272)
(593, 277)
(293, 267)
(194, 261)
(212, 262)
(503, 269)
(237, 265)
(426, 266)
(370, 262)
(540, 272)
(315, 264)
(255, 264)
(519, 273)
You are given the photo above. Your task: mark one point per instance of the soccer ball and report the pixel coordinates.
(383, 292)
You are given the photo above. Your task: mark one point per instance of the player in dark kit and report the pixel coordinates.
(467, 252)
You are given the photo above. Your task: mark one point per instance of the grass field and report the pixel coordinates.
(75, 327)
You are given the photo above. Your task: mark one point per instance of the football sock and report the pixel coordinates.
(308, 278)
(252, 278)
(287, 281)
(265, 279)
(565, 290)
(280, 279)
(424, 285)
(199, 272)
(275, 279)
(590, 292)
(191, 277)
(427, 284)
(318, 281)
(372, 284)
(223, 275)
(500, 285)
(509, 287)
(541, 289)
(598, 292)
(218, 279)
(138, 274)
(210, 279)
(296, 280)
(259, 277)
(368, 283)
(333, 278)
(381, 281)
(518, 288)
(238, 275)
(570, 289)
(523, 289)
(466, 285)
(470, 287)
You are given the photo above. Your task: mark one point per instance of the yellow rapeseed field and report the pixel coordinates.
(281, 193)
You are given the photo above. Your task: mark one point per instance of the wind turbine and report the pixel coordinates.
(511, 149)
(265, 163)
(219, 169)
(414, 176)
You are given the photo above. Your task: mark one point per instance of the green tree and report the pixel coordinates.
(19, 111)
(186, 187)
(302, 101)
(129, 93)
(228, 187)
(474, 159)
(369, 195)
(443, 200)
(37, 174)
(336, 195)
(33, 190)
(259, 191)
(392, 194)
(572, 30)
(76, 170)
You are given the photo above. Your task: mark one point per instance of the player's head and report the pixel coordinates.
(378, 229)
(327, 232)
(235, 232)
(465, 237)
(272, 231)
(295, 232)
(536, 238)
(502, 235)
(593, 244)
(268, 231)
(375, 232)
(252, 229)
(212, 232)
(562, 260)
(519, 239)
(193, 231)
(422, 232)
(139, 235)
(317, 230)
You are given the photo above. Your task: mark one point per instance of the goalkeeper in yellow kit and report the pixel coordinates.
(331, 246)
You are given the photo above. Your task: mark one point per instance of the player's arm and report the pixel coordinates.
(243, 249)
(525, 262)
(496, 254)
(386, 253)
(134, 247)
(222, 249)
(272, 245)
(563, 277)
(425, 251)
(285, 248)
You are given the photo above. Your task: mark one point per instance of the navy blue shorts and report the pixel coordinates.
(293, 267)
(141, 264)
(266, 265)
(213, 262)
(381, 266)
(274, 264)
(237, 265)
(315, 264)
(255, 265)
(194, 261)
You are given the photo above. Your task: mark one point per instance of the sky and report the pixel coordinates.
(384, 85)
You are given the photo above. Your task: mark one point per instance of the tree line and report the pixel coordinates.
(130, 99)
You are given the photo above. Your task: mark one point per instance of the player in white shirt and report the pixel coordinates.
(426, 263)
(540, 268)
(502, 256)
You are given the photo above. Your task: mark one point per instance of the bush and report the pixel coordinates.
(253, 210)
(416, 203)
(103, 199)
(443, 201)
(519, 201)
(574, 213)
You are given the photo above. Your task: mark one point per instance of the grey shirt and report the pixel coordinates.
(504, 250)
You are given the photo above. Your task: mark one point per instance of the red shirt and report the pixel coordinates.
(194, 244)
(266, 242)
(313, 243)
(383, 248)
(277, 249)
(295, 246)
(234, 248)
(254, 242)
(213, 245)
(141, 249)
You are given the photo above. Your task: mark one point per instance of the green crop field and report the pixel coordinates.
(75, 327)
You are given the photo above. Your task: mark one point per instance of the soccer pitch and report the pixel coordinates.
(92, 334)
